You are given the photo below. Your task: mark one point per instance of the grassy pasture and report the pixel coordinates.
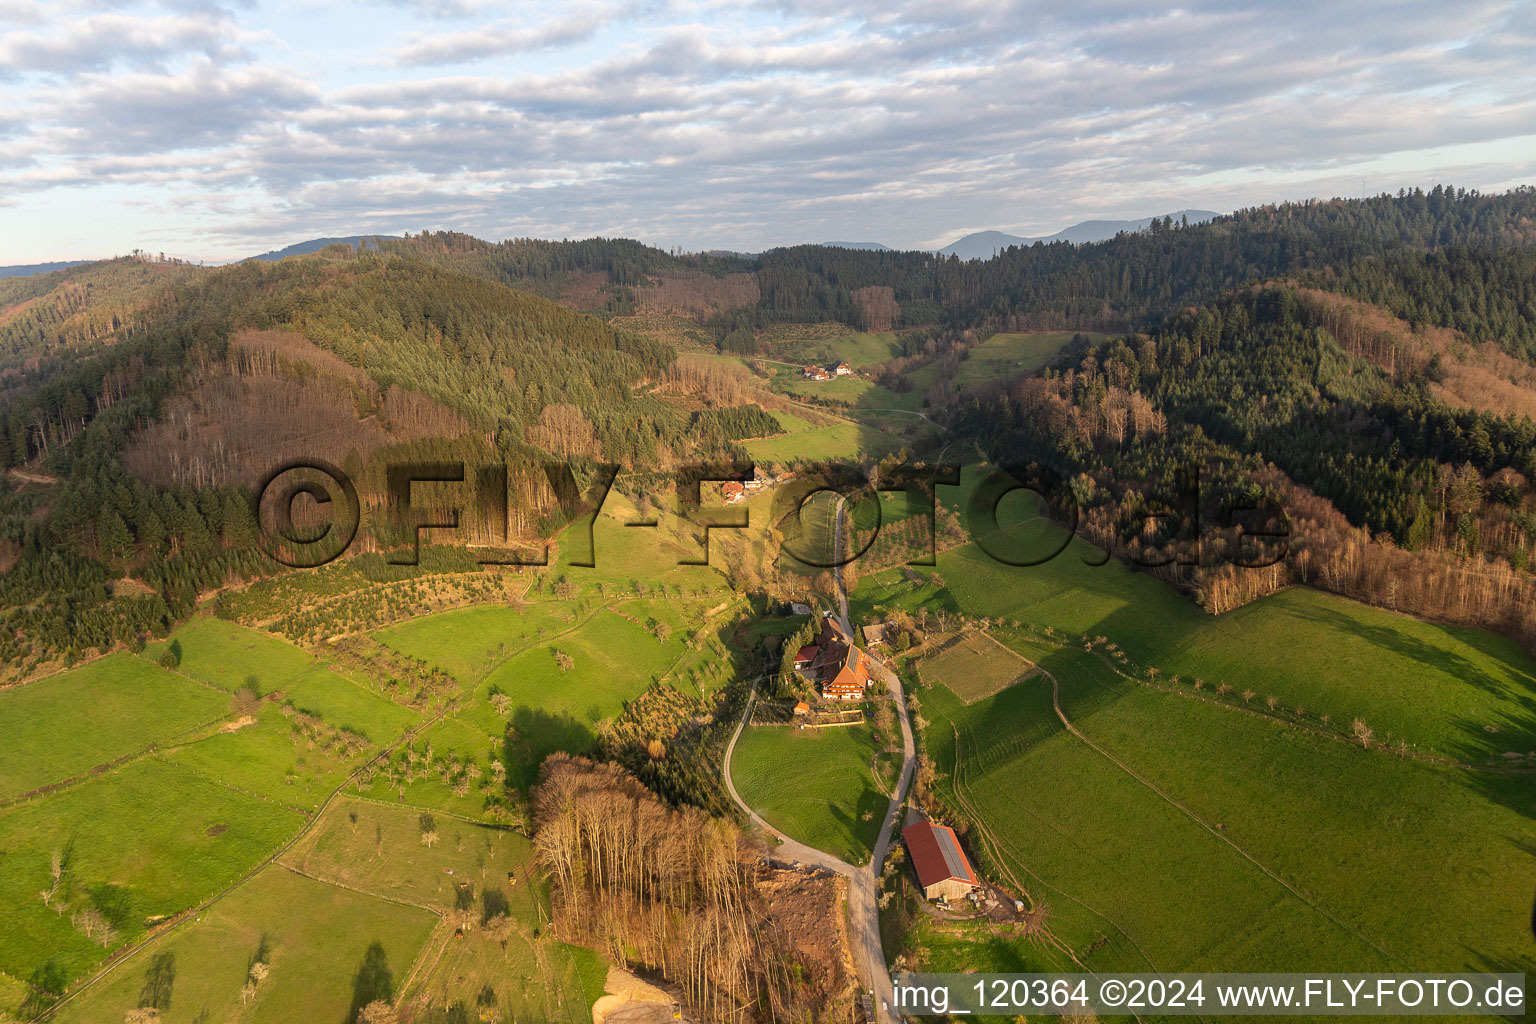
(451, 738)
(348, 705)
(316, 936)
(821, 347)
(381, 853)
(1111, 859)
(814, 785)
(468, 642)
(974, 667)
(222, 654)
(847, 389)
(614, 659)
(867, 348)
(791, 423)
(62, 726)
(164, 834)
(1000, 356)
(1437, 687)
(836, 441)
(268, 759)
(628, 555)
(1026, 351)
(1396, 864)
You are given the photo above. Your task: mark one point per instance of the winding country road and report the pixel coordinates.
(863, 912)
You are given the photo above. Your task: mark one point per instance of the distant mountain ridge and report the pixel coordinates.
(982, 245)
(316, 244)
(28, 269)
(871, 246)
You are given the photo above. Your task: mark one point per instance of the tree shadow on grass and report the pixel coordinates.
(374, 981)
(1517, 687)
(863, 833)
(533, 734)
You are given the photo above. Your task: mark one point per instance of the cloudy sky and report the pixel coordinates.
(214, 132)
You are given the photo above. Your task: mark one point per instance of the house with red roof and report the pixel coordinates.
(943, 871)
(840, 667)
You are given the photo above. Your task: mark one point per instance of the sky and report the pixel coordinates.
(214, 132)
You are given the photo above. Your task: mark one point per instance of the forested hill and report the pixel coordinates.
(1380, 353)
(142, 399)
(1124, 283)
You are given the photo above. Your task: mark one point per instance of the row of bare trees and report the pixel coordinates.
(669, 889)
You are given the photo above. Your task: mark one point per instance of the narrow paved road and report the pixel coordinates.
(863, 912)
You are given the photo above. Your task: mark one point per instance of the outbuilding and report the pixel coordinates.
(942, 868)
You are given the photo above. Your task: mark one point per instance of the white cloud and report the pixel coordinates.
(707, 124)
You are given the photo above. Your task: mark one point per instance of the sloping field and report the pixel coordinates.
(1438, 688)
(223, 654)
(1198, 836)
(63, 726)
(814, 785)
(974, 667)
(315, 936)
(149, 839)
(377, 849)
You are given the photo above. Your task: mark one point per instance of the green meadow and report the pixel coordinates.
(467, 642)
(63, 726)
(315, 936)
(849, 441)
(612, 660)
(162, 835)
(1202, 837)
(1438, 688)
(223, 654)
(854, 349)
(348, 705)
(450, 739)
(814, 785)
(267, 758)
(377, 849)
(1000, 356)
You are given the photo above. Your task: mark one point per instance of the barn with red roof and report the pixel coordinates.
(942, 868)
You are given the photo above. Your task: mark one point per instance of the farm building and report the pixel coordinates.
(873, 634)
(942, 868)
(839, 369)
(849, 679)
(732, 490)
(815, 373)
(802, 708)
(841, 668)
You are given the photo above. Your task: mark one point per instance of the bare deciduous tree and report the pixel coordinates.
(378, 1012)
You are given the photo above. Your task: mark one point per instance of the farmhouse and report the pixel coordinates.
(841, 668)
(815, 373)
(873, 634)
(802, 708)
(732, 490)
(942, 869)
(849, 679)
(839, 369)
